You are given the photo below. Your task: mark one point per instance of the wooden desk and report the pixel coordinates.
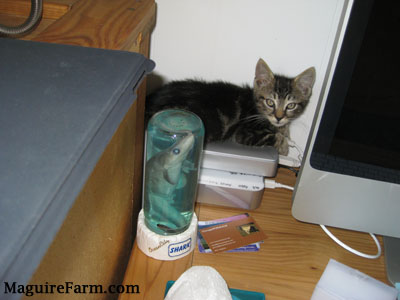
(288, 266)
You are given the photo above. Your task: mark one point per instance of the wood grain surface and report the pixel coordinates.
(51, 9)
(105, 24)
(15, 13)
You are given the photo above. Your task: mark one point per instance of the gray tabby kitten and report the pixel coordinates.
(255, 117)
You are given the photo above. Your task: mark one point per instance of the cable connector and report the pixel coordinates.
(272, 184)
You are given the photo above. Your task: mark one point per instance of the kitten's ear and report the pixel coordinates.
(264, 76)
(305, 81)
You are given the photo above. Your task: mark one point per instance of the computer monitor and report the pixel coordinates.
(350, 174)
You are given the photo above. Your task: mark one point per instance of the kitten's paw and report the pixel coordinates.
(281, 144)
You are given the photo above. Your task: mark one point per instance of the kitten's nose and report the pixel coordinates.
(279, 114)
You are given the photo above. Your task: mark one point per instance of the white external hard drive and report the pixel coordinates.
(230, 189)
(233, 157)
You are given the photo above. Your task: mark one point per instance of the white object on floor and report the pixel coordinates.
(199, 283)
(340, 282)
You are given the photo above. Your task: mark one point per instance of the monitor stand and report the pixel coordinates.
(392, 258)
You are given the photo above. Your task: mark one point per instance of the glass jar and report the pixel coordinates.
(174, 144)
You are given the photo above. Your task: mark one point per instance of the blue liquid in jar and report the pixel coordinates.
(173, 149)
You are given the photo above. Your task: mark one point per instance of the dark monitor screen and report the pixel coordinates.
(359, 133)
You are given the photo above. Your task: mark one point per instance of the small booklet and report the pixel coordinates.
(203, 246)
(235, 234)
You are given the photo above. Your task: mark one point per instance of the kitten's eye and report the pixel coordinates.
(176, 151)
(270, 103)
(291, 106)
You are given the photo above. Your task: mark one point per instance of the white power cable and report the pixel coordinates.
(272, 184)
(300, 152)
(369, 256)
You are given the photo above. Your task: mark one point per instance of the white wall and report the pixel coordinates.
(223, 39)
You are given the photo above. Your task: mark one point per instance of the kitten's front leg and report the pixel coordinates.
(281, 140)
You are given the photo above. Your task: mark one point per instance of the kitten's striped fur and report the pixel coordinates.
(257, 117)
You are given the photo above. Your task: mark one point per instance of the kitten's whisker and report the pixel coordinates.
(255, 119)
(252, 118)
